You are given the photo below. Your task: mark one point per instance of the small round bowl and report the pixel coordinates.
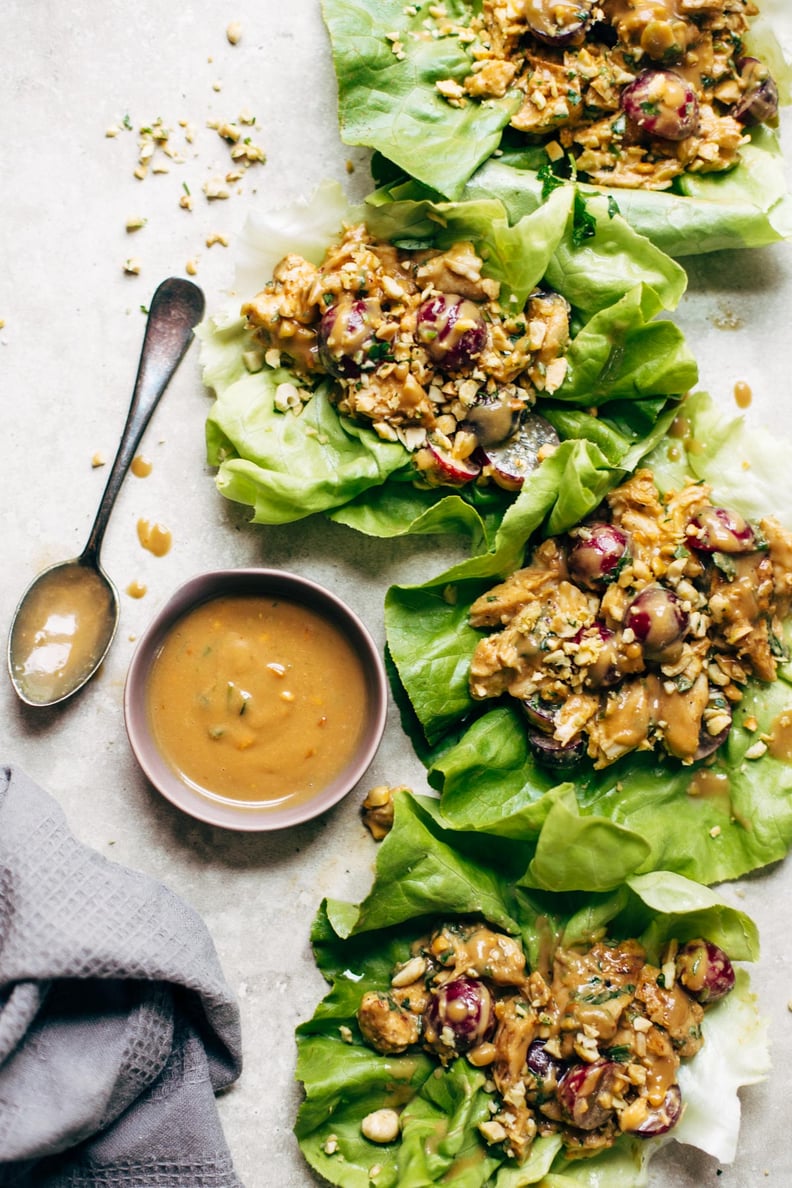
(254, 815)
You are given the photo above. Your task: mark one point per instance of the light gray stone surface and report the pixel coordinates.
(68, 354)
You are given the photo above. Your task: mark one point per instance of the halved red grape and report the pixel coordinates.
(583, 1090)
(539, 714)
(542, 1064)
(657, 620)
(704, 970)
(514, 460)
(662, 103)
(660, 1119)
(460, 1015)
(452, 330)
(556, 22)
(346, 335)
(759, 103)
(448, 468)
(709, 743)
(718, 530)
(597, 553)
(604, 671)
(493, 419)
(550, 751)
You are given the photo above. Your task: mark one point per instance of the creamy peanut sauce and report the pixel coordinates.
(441, 383)
(780, 741)
(154, 537)
(709, 783)
(140, 466)
(578, 64)
(714, 589)
(257, 699)
(603, 1018)
(61, 632)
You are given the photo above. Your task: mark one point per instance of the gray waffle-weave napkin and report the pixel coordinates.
(116, 1024)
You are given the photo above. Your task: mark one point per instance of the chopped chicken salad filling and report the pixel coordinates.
(588, 1047)
(640, 628)
(636, 91)
(419, 347)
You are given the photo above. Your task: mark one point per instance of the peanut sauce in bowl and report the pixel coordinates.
(255, 700)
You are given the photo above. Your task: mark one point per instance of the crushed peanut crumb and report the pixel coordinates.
(234, 32)
(132, 266)
(191, 267)
(215, 187)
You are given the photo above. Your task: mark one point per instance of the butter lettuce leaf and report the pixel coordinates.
(387, 63)
(622, 357)
(647, 811)
(357, 946)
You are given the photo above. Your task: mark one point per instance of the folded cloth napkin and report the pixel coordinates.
(116, 1024)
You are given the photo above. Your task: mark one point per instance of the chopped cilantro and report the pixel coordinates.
(584, 225)
(549, 179)
(379, 351)
(726, 565)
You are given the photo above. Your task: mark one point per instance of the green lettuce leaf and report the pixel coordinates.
(622, 357)
(646, 811)
(356, 947)
(388, 101)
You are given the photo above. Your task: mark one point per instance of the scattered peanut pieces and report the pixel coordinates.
(191, 267)
(216, 237)
(216, 187)
(234, 32)
(132, 266)
(97, 460)
(135, 222)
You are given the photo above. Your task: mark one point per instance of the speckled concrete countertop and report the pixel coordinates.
(68, 351)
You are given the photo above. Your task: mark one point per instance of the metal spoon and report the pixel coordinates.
(65, 621)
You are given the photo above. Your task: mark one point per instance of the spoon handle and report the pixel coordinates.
(176, 307)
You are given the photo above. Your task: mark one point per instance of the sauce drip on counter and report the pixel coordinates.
(742, 394)
(154, 537)
(136, 589)
(257, 700)
(140, 467)
(61, 631)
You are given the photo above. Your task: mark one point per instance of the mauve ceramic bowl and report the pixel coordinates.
(238, 814)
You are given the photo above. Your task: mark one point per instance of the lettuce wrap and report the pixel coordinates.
(388, 102)
(641, 811)
(622, 358)
(426, 874)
